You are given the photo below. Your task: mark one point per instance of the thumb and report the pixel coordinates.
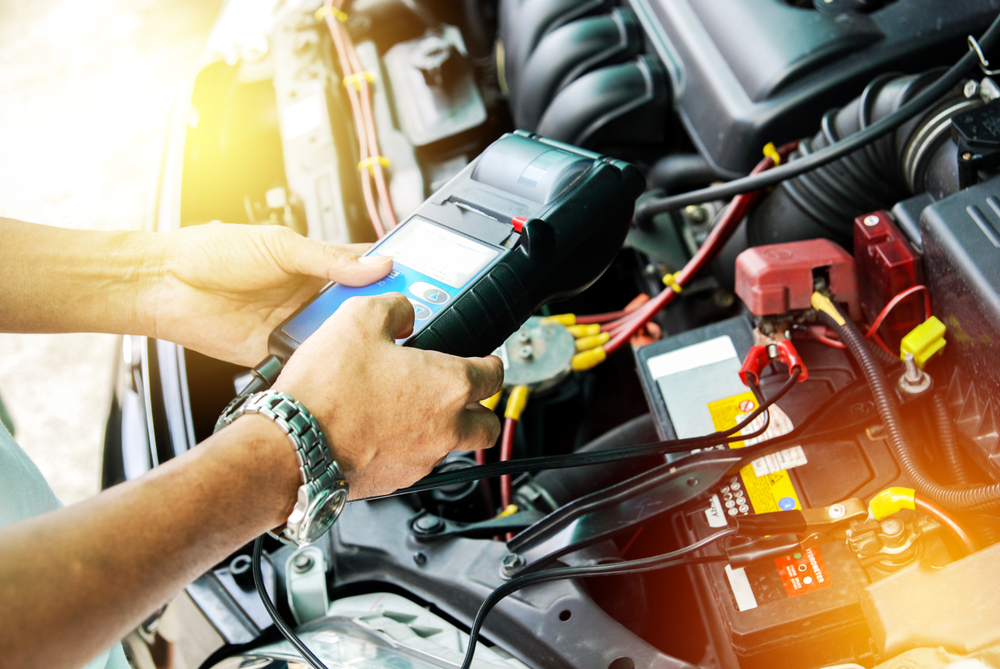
(335, 262)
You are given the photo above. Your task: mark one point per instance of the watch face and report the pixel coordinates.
(320, 518)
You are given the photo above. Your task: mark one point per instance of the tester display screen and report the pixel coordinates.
(431, 266)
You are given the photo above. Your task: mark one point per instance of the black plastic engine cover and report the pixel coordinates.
(748, 72)
(961, 242)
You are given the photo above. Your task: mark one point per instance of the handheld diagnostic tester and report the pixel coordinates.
(529, 221)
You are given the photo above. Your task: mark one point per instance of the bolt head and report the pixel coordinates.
(971, 89)
(303, 562)
(696, 213)
(892, 526)
(871, 220)
(527, 352)
(428, 524)
(510, 563)
(524, 336)
(693, 481)
(837, 511)
(420, 559)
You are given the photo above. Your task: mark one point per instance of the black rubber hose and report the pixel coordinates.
(888, 409)
(948, 442)
(927, 97)
(678, 171)
(918, 156)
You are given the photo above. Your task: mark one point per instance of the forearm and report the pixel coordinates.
(76, 580)
(59, 280)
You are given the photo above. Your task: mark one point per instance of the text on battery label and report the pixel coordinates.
(776, 462)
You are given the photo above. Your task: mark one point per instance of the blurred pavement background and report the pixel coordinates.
(85, 94)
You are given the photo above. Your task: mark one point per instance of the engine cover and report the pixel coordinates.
(749, 72)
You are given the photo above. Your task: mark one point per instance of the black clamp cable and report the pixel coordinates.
(527, 465)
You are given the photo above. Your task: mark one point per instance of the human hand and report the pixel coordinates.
(390, 413)
(222, 288)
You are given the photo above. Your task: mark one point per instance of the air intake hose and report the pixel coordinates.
(920, 156)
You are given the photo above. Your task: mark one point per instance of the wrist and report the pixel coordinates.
(268, 463)
(142, 286)
(323, 490)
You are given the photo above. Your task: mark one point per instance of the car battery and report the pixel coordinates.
(800, 610)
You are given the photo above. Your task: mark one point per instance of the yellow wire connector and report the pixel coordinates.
(369, 163)
(924, 341)
(670, 281)
(509, 511)
(771, 151)
(585, 330)
(355, 79)
(891, 501)
(593, 341)
(516, 402)
(588, 359)
(562, 319)
(821, 302)
(325, 11)
(492, 402)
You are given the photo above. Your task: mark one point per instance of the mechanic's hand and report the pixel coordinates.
(223, 288)
(390, 413)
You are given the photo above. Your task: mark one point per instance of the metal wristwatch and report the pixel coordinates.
(323, 492)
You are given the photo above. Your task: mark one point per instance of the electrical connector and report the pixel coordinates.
(588, 359)
(516, 402)
(891, 501)
(924, 341)
(593, 341)
(492, 402)
(562, 319)
(585, 330)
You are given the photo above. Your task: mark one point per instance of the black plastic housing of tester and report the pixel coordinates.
(556, 215)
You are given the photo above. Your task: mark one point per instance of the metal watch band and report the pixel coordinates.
(324, 490)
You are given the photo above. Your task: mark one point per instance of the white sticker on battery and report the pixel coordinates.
(776, 462)
(742, 591)
(714, 514)
(690, 357)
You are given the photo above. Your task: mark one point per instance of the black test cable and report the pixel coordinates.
(951, 78)
(645, 564)
(672, 559)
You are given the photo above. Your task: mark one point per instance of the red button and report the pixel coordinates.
(518, 223)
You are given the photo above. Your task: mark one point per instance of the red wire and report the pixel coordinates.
(360, 98)
(942, 516)
(636, 302)
(623, 330)
(896, 300)
(829, 341)
(366, 106)
(628, 544)
(506, 452)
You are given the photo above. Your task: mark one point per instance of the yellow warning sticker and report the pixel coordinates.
(772, 491)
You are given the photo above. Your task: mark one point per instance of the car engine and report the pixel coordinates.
(813, 364)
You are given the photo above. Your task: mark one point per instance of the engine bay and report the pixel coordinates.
(783, 400)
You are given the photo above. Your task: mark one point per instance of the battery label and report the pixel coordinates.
(803, 572)
(773, 490)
